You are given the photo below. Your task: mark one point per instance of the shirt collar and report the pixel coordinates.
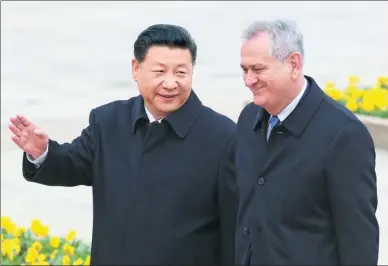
(181, 120)
(151, 118)
(302, 113)
(289, 108)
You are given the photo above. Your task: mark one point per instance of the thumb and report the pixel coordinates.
(38, 132)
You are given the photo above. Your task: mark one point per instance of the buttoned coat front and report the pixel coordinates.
(163, 193)
(309, 195)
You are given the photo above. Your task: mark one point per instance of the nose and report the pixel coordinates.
(170, 83)
(250, 80)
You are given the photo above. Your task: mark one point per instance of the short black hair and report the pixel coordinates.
(167, 35)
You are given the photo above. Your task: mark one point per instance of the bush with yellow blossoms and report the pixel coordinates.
(366, 101)
(34, 246)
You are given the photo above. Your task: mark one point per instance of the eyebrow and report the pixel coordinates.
(180, 65)
(253, 66)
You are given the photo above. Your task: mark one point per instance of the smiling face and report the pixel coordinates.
(164, 79)
(271, 81)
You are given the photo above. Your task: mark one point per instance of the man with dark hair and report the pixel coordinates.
(161, 164)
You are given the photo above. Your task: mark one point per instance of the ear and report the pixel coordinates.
(296, 64)
(135, 69)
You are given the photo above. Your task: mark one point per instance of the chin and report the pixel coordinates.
(168, 108)
(259, 101)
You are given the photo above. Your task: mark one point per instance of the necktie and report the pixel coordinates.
(273, 121)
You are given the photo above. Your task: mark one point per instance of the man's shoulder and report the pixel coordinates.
(215, 128)
(214, 119)
(337, 114)
(114, 108)
(339, 120)
(248, 114)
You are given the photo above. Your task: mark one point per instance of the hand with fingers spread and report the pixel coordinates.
(28, 137)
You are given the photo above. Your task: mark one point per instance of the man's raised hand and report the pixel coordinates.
(28, 137)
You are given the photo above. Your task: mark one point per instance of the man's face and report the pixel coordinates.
(264, 75)
(164, 79)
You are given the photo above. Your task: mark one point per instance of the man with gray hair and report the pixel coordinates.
(305, 164)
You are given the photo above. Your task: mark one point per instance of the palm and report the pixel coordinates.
(28, 137)
(29, 140)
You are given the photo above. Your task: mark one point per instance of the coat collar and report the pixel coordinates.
(181, 120)
(297, 121)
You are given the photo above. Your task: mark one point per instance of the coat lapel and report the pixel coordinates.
(278, 148)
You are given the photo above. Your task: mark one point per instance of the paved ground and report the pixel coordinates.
(71, 208)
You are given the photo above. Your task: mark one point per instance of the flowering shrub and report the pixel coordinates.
(34, 246)
(367, 101)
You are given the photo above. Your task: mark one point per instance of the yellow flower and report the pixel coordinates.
(10, 255)
(2, 237)
(353, 92)
(37, 246)
(44, 231)
(352, 105)
(7, 248)
(68, 249)
(333, 93)
(41, 257)
(353, 80)
(30, 257)
(5, 220)
(71, 236)
(87, 260)
(35, 225)
(32, 254)
(381, 81)
(20, 231)
(10, 248)
(330, 85)
(79, 261)
(3, 249)
(17, 246)
(55, 241)
(8, 224)
(39, 229)
(53, 254)
(65, 260)
(379, 98)
(367, 106)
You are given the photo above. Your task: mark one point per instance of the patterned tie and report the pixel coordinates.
(273, 121)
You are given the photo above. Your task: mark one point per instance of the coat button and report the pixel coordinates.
(246, 231)
(261, 181)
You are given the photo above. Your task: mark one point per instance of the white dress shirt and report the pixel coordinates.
(38, 161)
(290, 107)
(150, 116)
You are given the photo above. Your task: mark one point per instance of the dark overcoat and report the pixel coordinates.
(309, 195)
(163, 193)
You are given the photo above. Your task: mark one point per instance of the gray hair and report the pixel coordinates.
(285, 36)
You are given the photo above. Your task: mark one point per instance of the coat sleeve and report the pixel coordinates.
(351, 179)
(67, 164)
(228, 204)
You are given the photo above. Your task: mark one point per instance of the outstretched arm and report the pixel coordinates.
(68, 164)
